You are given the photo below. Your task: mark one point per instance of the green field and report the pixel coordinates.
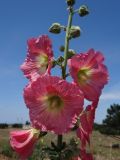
(100, 145)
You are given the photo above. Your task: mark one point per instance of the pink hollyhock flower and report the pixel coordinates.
(86, 156)
(86, 124)
(39, 57)
(23, 141)
(53, 103)
(89, 73)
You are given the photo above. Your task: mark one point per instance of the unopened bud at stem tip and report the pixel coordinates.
(83, 10)
(70, 2)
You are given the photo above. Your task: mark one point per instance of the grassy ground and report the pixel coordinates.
(100, 145)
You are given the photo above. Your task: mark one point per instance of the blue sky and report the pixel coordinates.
(21, 20)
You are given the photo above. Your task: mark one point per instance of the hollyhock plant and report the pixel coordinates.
(23, 141)
(53, 103)
(56, 105)
(39, 57)
(89, 73)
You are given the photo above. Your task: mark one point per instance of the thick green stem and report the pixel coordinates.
(67, 43)
(59, 145)
(59, 141)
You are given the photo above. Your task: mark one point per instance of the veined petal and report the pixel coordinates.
(39, 57)
(53, 103)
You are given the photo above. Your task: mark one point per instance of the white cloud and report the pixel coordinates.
(112, 94)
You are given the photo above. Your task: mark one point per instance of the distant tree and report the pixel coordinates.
(111, 124)
(3, 125)
(27, 123)
(17, 125)
(97, 126)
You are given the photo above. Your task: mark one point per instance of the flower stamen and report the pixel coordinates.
(53, 103)
(83, 75)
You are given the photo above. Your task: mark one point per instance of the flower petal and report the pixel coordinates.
(86, 124)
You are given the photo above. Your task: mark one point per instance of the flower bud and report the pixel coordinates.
(55, 28)
(70, 2)
(74, 32)
(83, 11)
(60, 60)
(71, 53)
(62, 48)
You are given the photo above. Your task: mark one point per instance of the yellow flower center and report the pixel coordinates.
(42, 63)
(42, 60)
(83, 75)
(54, 103)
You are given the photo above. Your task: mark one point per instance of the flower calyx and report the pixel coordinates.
(83, 10)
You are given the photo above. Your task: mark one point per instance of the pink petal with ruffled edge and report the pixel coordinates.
(89, 73)
(53, 103)
(39, 57)
(86, 124)
(23, 142)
